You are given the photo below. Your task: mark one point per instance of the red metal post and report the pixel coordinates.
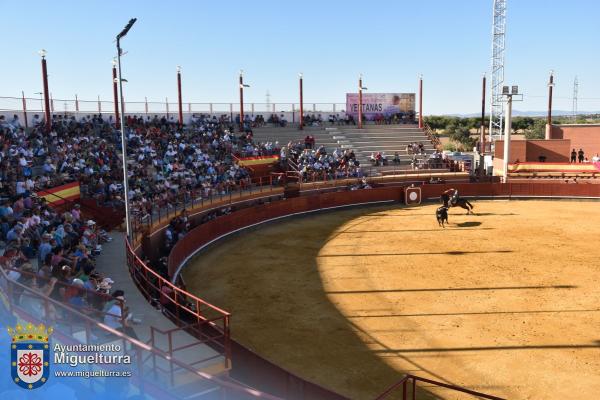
(549, 121)
(48, 126)
(301, 104)
(24, 109)
(241, 102)
(179, 96)
(550, 86)
(116, 95)
(482, 133)
(360, 102)
(421, 102)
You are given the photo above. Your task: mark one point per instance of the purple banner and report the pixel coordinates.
(382, 104)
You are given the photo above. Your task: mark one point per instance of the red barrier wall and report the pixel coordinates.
(249, 216)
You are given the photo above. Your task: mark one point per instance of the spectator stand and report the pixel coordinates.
(155, 373)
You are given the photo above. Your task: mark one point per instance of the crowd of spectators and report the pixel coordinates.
(55, 251)
(316, 164)
(333, 119)
(415, 148)
(167, 162)
(32, 160)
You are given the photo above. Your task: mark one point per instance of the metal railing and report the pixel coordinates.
(411, 380)
(76, 327)
(432, 136)
(162, 211)
(184, 308)
(78, 107)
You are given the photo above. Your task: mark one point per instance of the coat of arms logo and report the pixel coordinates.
(30, 355)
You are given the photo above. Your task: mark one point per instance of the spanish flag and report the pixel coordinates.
(250, 161)
(554, 167)
(60, 194)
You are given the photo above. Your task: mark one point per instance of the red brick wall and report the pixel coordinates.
(531, 150)
(586, 137)
(553, 150)
(518, 150)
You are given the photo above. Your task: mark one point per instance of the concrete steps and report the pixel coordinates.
(369, 139)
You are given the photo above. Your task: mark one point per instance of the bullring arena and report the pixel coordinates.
(218, 247)
(502, 302)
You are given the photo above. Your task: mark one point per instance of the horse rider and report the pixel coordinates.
(453, 195)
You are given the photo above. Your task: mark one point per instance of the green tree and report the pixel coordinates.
(522, 123)
(537, 130)
(460, 134)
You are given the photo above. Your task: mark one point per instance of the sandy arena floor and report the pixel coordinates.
(506, 302)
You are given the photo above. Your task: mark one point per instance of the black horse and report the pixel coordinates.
(463, 203)
(442, 215)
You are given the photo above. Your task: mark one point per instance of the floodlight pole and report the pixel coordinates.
(507, 129)
(123, 136)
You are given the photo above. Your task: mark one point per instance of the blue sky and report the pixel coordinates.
(331, 42)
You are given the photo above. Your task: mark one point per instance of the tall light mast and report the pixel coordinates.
(497, 73)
